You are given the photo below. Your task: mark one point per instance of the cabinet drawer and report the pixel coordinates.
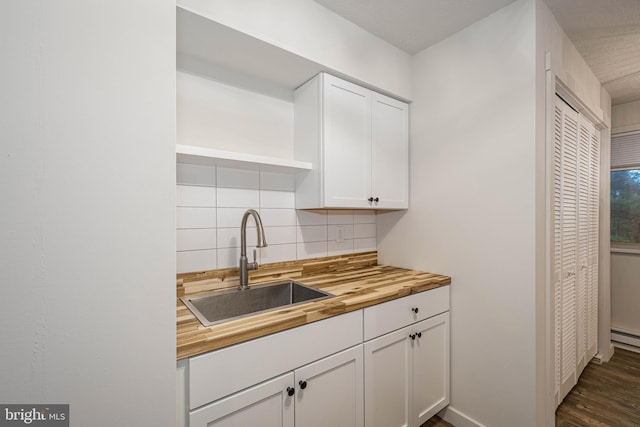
(389, 316)
(231, 369)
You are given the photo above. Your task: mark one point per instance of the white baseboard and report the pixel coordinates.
(604, 358)
(627, 347)
(457, 418)
(629, 339)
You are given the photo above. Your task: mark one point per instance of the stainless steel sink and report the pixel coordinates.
(218, 306)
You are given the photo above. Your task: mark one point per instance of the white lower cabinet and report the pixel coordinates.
(430, 367)
(324, 393)
(267, 404)
(322, 374)
(330, 392)
(406, 371)
(388, 380)
(309, 376)
(407, 374)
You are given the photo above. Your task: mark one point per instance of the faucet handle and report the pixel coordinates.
(254, 257)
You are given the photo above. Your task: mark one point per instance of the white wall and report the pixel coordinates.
(478, 203)
(569, 67)
(625, 292)
(473, 212)
(215, 115)
(87, 177)
(625, 267)
(210, 204)
(625, 117)
(313, 32)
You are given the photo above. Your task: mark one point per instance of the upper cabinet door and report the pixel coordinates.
(390, 152)
(357, 141)
(347, 144)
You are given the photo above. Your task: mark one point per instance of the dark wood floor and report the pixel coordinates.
(606, 395)
(436, 421)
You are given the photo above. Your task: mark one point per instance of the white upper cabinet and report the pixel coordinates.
(346, 131)
(357, 141)
(390, 152)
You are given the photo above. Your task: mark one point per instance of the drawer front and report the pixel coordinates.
(389, 316)
(222, 372)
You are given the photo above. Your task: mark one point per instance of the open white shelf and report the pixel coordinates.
(208, 156)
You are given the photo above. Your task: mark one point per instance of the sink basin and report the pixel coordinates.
(218, 306)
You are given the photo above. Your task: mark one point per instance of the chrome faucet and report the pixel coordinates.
(244, 265)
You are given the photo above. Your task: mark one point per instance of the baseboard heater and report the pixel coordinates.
(627, 339)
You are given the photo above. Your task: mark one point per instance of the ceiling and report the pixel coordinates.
(605, 32)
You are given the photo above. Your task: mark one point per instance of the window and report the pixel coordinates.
(625, 190)
(625, 208)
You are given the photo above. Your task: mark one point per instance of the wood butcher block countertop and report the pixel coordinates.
(356, 280)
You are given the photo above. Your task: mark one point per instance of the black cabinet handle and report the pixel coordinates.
(290, 391)
(413, 337)
(377, 199)
(370, 199)
(303, 384)
(419, 334)
(415, 310)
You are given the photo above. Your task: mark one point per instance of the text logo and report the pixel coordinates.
(34, 415)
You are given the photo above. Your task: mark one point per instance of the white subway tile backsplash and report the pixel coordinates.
(230, 257)
(278, 217)
(311, 250)
(277, 181)
(196, 239)
(344, 247)
(195, 174)
(312, 217)
(230, 238)
(312, 233)
(190, 261)
(195, 217)
(238, 198)
(340, 217)
(210, 203)
(364, 230)
(189, 195)
(364, 217)
(280, 235)
(277, 199)
(364, 245)
(278, 253)
(238, 178)
(232, 217)
(332, 233)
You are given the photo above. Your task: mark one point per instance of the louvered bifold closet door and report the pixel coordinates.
(575, 177)
(594, 243)
(584, 145)
(556, 245)
(569, 240)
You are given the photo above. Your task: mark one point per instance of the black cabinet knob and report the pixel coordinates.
(290, 391)
(413, 336)
(415, 310)
(370, 199)
(303, 384)
(419, 334)
(377, 199)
